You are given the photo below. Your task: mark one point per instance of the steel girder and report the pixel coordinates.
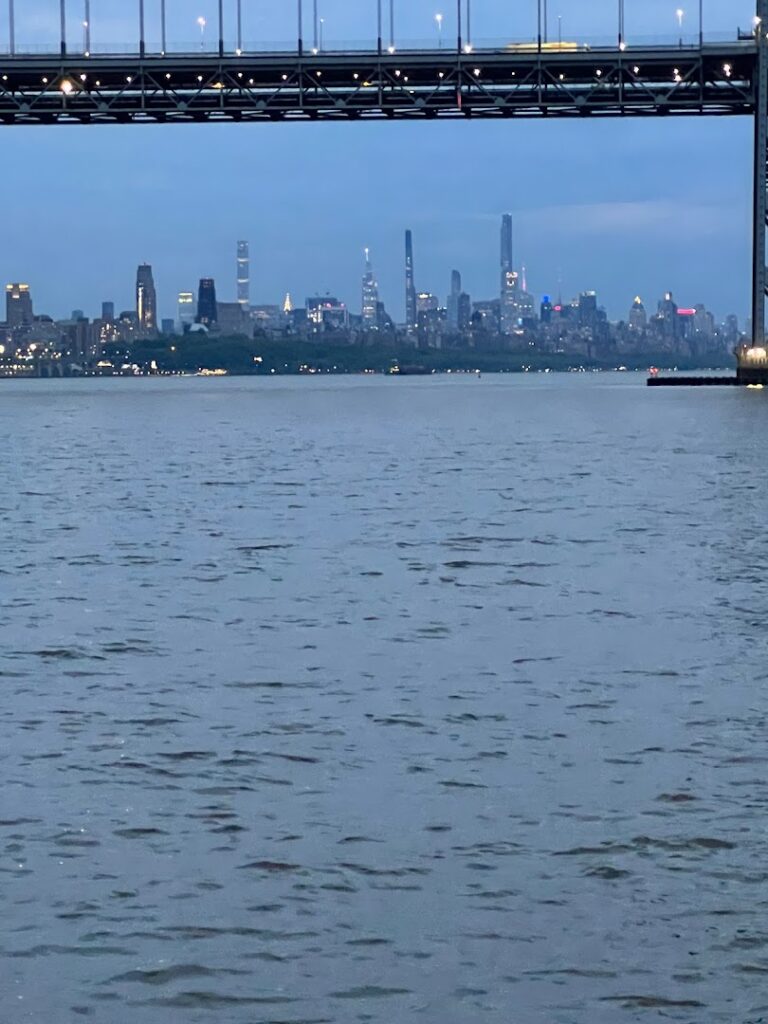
(715, 80)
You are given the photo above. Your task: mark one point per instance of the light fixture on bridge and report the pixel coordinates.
(727, 70)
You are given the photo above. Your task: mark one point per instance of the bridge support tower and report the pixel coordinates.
(753, 359)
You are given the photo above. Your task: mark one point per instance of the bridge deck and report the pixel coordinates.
(107, 89)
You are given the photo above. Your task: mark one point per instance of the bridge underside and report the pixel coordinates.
(718, 80)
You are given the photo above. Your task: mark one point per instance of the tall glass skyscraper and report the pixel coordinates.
(453, 300)
(186, 311)
(207, 307)
(243, 276)
(146, 299)
(370, 295)
(411, 313)
(510, 283)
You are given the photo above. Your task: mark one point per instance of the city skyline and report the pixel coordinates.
(234, 285)
(664, 203)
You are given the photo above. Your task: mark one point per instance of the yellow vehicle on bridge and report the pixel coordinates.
(558, 47)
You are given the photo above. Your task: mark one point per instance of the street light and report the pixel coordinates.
(202, 23)
(87, 28)
(439, 20)
(680, 15)
(322, 28)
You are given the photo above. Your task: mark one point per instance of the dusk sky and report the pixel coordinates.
(623, 207)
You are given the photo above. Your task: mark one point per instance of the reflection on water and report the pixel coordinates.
(370, 700)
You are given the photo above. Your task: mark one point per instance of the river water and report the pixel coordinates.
(347, 700)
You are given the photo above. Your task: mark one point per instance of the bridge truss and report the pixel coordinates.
(713, 80)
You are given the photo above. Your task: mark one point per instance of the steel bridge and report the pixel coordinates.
(385, 83)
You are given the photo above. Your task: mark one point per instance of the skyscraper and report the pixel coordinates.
(186, 311)
(243, 276)
(453, 301)
(207, 308)
(507, 261)
(18, 305)
(638, 318)
(510, 284)
(411, 313)
(108, 312)
(146, 299)
(370, 295)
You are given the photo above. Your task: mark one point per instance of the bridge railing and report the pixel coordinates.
(448, 46)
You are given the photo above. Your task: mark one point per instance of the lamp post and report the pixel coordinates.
(63, 23)
(221, 28)
(202, 23)
(239, 27)
(163, 33)
(391, 26)
(621, 24)
(11, 27)
(439, 21)
(315, 28)
(87, 28)
(142, 44)
(300, 13)
(680, 15)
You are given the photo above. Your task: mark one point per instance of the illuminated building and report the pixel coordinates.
(370, 296)
(18, 305)
(186, 311)
(510, 284)
(207, 307)
(588, 310)
(243, 276)
(146, 299)
(465, 312)
(411, 312)
(638, 318)
(327, 312)
(288, 304)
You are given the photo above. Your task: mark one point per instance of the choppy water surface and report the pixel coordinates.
(356, 700)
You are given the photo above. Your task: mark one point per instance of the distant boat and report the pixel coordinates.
(396, 370)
